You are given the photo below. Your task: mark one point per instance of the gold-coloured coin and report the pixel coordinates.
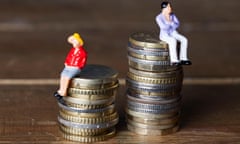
(143, 131)
(146, 40)
(92, 86)
(87, 120)
(163, 80)
(82, 132)
(176, 73)
(84, 106)
(107, 91)
(94, 97)
(90, 139)
(146, 120)
(152, 127)
(89, 102)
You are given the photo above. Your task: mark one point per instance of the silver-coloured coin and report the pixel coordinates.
(148, 49)
(151, 67)
(141, 51)
(95, 74)
(151, 99)
(153, 107)
(149, 62)
(152, 111)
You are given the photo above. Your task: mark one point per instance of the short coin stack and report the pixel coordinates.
(88, 113)
(153, 87)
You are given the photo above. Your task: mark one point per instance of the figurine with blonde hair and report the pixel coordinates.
(74, 62)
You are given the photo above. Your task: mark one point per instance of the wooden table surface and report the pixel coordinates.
(33, 47)
(210, 114)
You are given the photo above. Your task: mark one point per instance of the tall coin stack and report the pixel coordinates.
(88, 113)
(153, 87)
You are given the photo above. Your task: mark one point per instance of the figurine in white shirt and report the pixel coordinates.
(168, 23)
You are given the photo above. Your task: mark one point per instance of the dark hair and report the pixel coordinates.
(164, 4)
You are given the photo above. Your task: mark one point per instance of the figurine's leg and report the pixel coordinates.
(67, 74)
(64, 82)
(183, 46)
(172, 44)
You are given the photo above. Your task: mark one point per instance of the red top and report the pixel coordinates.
(76, 57)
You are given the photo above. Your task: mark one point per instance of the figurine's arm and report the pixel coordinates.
(175, 22)
(162, 24)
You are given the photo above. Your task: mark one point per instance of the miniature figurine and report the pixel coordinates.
(168, 23)
(74, 62)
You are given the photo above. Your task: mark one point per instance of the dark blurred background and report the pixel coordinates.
(33, 34)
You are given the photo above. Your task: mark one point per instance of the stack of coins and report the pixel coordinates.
(153, 87)
(88, 113)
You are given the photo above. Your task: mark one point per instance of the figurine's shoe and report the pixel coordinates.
(175, 64)
(57, 96)
(186, 62)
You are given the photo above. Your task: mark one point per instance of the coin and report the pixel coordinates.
(152, 111)
(155, 121)
(152, 67)
(176, 73)
(154, 93)
(148, 57)
(76, 91)
(90, 139)
(81, 132)
(89, 120)
(143, 131)
(162, 80)
(90, 115)
(87, 102)
(95, 97)
(149, 62)
(152, 127)
(84, 106)
(95, 74)
(146, 40)
(151, 87)
(91, 86)
(73, 109)
(161, 52)
(152, 99)
(150, 115)
(160, 107)
(88, 126)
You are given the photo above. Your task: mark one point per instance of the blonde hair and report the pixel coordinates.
(78, 38)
